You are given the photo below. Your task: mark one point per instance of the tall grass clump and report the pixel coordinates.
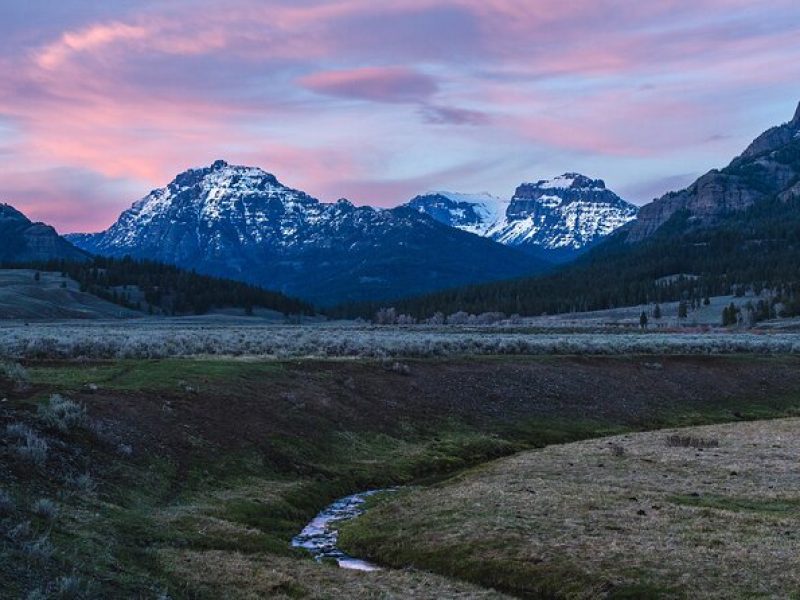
(7, 505)
(67, 587)
(82, 483)
(27, 445)
(62, 414)
(688, 441)
(45, 509)
(39, 549)
(16, 374)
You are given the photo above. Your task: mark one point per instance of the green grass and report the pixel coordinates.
(186, 489)
(152, 375)
(717, 502)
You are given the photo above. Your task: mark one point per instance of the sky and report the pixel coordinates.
(378, 100)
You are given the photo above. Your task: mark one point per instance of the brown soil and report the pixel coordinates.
(309, 398)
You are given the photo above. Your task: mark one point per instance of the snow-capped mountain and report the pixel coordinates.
(241, 222)
(556, 218)
(475, 213)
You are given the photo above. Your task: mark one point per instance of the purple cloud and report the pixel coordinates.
(134, 92)
(445, 115)
(377, 84)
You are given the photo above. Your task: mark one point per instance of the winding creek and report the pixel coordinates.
(320, 536)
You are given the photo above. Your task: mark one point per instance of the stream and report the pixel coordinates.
(320, 536)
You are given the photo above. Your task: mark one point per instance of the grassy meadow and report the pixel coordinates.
(707, 512)
(187, 478)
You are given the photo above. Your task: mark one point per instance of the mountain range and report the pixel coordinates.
(241, 222)
(555, 219)
(734, 230)
(767, 168)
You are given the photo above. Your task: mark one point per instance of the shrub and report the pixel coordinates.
(20, 532)
(82, 483)
(62, 414)
(17, 431)
(436, 319)
(489, 318)
(37, 594)
(406, 320)
(15, 373)
(688, 441)
(29, 446)
(397, 367)
(39, 549)
(458, 318)
(45, 508)
(67, 587)
(385, 316)
(6, 503)
(125, 450)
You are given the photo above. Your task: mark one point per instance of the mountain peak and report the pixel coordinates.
(25, 241)
(9, 213)
(474, 213)
(219, 179)
(795, 122)
(570, 181)
(560, 216)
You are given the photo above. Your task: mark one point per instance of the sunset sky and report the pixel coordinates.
(377, 100)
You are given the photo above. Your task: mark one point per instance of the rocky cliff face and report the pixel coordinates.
(21, 240)
(768, 167)
(556, 219)
(570, 212)
(242, 223)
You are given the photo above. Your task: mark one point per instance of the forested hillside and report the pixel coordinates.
(758, 248)
(734, 229)
(156, 288)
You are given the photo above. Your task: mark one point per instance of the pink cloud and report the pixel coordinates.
(378, 84)
(140, 93)
(90, 39)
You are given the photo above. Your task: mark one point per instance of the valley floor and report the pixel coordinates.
(187, 478)
(256, 338)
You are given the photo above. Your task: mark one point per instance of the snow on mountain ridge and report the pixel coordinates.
(474, 213)
(242, 223)
(247, 199)
(565, 214)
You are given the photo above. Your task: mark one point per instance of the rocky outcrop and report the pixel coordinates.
(766, 168)
(21, 240)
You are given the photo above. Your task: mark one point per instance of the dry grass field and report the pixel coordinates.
(708, 512)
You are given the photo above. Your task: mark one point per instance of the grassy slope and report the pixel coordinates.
(22, 297)
(230, 458)
(630, 516)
